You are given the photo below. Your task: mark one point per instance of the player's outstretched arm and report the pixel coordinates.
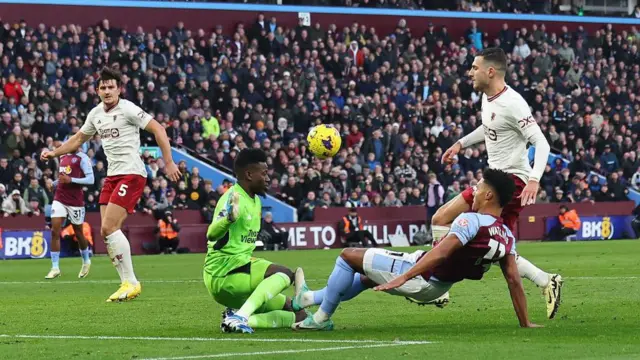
(226, 213)
(475, 137)
(160, 134)
(433, 258)
(511, 274)
(69, 146)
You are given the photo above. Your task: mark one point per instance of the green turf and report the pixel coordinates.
(599, 317)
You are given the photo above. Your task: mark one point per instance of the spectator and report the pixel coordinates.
(34, 207)
(616, 187)
(37, 192)
(609, 160)
(390, 200)
(569, 224)
(391, 98)
(305, 212)
(521, 49)
(635, 180)
(273, 237)
(435, 196)
(14, 205)
(3, 193)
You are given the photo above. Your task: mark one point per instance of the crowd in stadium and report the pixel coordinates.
(557, 7)
(399, 100)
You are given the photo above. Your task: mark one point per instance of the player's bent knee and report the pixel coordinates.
(288, 273)
(439, 218)
(353, 256)
(108, 229)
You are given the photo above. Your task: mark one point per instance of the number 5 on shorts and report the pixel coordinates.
(123, 190)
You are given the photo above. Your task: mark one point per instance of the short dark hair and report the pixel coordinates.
(248, 157)
(564, 207)
(502, 183)
(108, 73)
(496, 57)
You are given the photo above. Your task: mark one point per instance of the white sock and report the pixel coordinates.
(120, 250)
(320, 316)
(531, 272)
(111, 250)
(438, 232)
(308, 299)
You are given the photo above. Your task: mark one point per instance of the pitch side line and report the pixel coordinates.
(81, 281)
(243, 339)
(211, 356)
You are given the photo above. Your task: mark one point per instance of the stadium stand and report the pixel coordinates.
(399, 99)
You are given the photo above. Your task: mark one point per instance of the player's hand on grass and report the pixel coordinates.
(395, 283)
(448, 155)
(172, 171)
(529, 193)
(233, 207)
(46, 155)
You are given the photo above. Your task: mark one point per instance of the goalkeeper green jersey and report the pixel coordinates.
(232, 248)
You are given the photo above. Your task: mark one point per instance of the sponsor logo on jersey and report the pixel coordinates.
(463, 222)
(65, 170)
(490, 133)
(526, 121)
(250, 238)
(109, 133)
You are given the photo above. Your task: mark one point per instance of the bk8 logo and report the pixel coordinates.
(598, 229)
(25, 244)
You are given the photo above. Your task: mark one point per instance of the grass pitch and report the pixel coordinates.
(175, 318)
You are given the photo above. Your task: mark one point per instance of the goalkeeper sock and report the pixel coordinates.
(272, 319)
(315, 297)
(531, 272)
(338, 285)
(265, 291)
(55, 260)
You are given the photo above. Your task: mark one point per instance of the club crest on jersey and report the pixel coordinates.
(493, 116)
(74, 160)
(115, 117)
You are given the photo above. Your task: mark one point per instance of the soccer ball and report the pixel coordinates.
(324, 141)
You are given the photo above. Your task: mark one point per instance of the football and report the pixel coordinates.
(324, 141)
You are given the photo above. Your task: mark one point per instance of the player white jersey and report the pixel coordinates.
(119, 129)
(508, 126)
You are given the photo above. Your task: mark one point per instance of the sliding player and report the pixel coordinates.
(476, 240)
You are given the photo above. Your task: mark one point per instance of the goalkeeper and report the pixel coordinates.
(234, 278)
